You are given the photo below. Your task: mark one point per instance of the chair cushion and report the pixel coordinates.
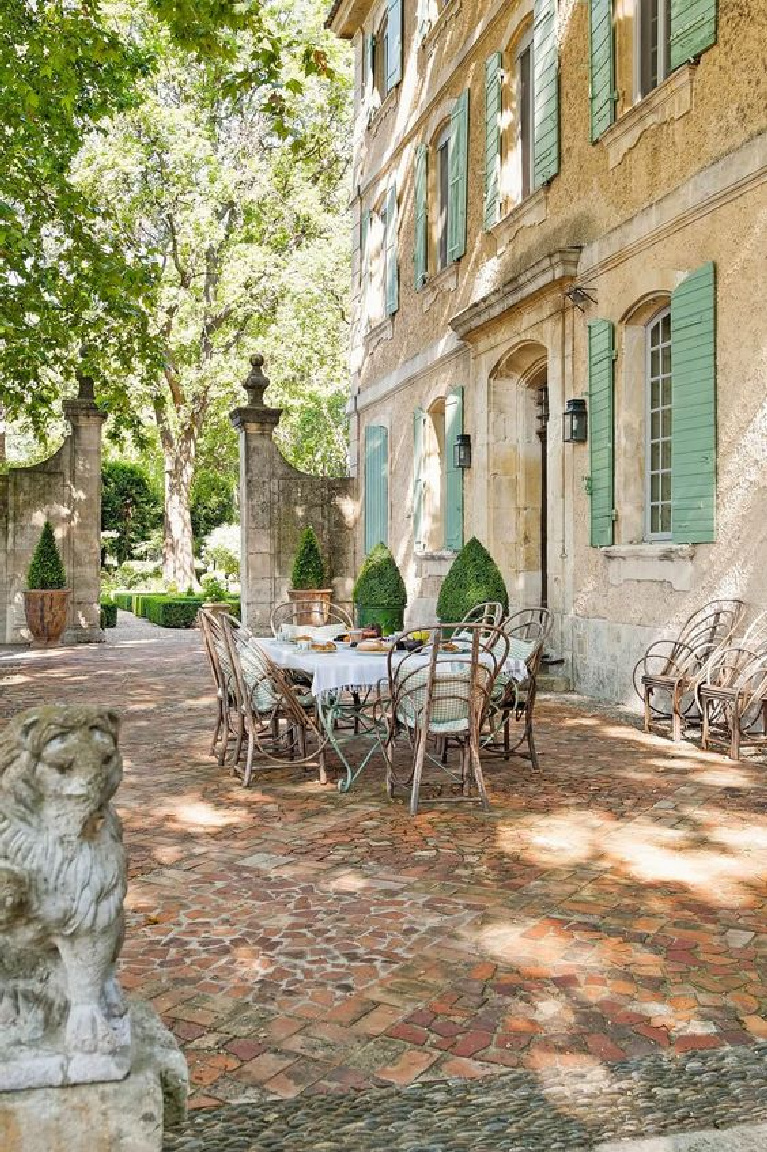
(449, 714)
(520, 649)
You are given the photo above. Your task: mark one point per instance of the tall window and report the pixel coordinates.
(525, 121)
(381, 58)
(654, 45)
(658, 458)
(443, 196)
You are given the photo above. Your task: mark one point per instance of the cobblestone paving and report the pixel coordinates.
(303, 943)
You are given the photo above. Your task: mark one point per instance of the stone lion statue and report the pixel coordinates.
(62, 879)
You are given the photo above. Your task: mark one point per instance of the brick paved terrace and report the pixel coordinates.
(298, 941)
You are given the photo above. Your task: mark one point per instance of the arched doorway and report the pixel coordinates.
(519, 409)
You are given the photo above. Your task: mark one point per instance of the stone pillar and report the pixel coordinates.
(259, 462)
(83, 549)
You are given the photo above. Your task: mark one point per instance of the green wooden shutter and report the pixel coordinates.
(457, 160)
(370, 62)
(394, 59)
(545, 93)
(420, 252)
(418, 479)
(601, 373)
(693, 29)
(602, 94)
(492, 138)
(376, 486)
(453, 509)
(693, 408)
(390, 242)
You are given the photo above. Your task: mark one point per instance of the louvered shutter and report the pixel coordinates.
(370, 63)
(457, 158)
(390, 241)
(693, 29)
(492, 138)
(693, 408)
(453, 510)
(421, 248)
(418, 479)
(394, 58)
(545, 93)
(601, 374)
(602, 92)
(376, 486)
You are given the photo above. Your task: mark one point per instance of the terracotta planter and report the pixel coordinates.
(46, 613)
(317, 602)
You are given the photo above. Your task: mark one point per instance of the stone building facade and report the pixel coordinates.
(563, 200)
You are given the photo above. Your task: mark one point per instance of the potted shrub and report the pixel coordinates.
(47, 597)
(473, 577)
(308, 580)
(379, 591)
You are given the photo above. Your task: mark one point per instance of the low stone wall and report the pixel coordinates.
(66, 489)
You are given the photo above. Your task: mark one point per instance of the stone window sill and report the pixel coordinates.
(663, 562)
(446, 280)
(379, 333)
(434, 563)
(531, 211)
(450, 10)
(669, 101)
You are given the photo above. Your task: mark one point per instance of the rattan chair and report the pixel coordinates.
(309, 613)
(228, 720)
(440, 691)
(277, 716)
(514, 700)
(489, 613)
(675, 668)
(733, 700)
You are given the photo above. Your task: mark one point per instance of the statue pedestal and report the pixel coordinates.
(126, 1115)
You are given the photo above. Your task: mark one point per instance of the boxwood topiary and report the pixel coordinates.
(108, 614)
(47, 569)
(308, 567)
(473, 578)
(380, 583)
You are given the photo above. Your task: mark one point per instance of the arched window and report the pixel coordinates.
(658, 394)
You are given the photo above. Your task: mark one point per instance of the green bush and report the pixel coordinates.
(212, 502)
(175, 611)
(108, 614)
(46, 570)
(131, 506)
(308, 567)
(380, 582)
(123, 601)
(213, 589)
(473, 578)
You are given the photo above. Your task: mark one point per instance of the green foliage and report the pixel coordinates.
(130, 506)
(212, 502)
(47, 569)
(213, 589)
(473, 578)
(379, 583)
(222, 549)
(108, 614)
(308, 566)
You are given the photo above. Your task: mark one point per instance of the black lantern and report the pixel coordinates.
(575, 422)
(462, 451)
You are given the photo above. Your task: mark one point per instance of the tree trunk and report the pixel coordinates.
(177, 553)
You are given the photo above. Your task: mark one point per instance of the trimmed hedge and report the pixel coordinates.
(123, 601)
(108, 614)
(473, 578)
(47, 568)
(164, 610)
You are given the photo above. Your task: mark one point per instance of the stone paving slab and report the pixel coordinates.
(302, 943)
(744, 1138)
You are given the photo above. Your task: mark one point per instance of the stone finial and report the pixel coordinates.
(84, 386)
(63, 1019)
(256, 382)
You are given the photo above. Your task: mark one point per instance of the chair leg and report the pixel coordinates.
(735, 737)
(647, 695)
(676, 714)
(477, 766)
(217, 733)
(249, 759)
(704, 727)
(417, 772)
(387, 748)
(239, 737)
(506, 735)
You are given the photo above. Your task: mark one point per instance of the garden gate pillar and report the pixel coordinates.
(259, 465)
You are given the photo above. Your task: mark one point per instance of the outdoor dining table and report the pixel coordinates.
(364, 675)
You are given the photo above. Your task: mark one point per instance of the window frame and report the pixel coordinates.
(649, 441)
(441, 216)
(526, 125)
(662, 47)
(381, 56)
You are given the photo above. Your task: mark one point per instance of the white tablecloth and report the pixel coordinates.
(348, 667)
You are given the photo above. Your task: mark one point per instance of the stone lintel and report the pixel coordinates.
(259, 421)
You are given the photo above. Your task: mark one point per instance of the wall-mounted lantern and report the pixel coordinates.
(462, 451)
(575, 422)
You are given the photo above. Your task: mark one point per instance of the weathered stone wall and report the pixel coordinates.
(276, 503)
(66, 489)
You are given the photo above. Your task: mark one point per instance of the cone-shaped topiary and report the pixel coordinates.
(47, 569)
(308, 567)
(473, 578)
(380, 582)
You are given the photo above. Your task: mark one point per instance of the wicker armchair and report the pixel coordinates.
(675, 668)
(439, 692)
(527, 632)
(228, 721)
(489, 613)
(277, 716)
(309, 613)
(733, 700)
